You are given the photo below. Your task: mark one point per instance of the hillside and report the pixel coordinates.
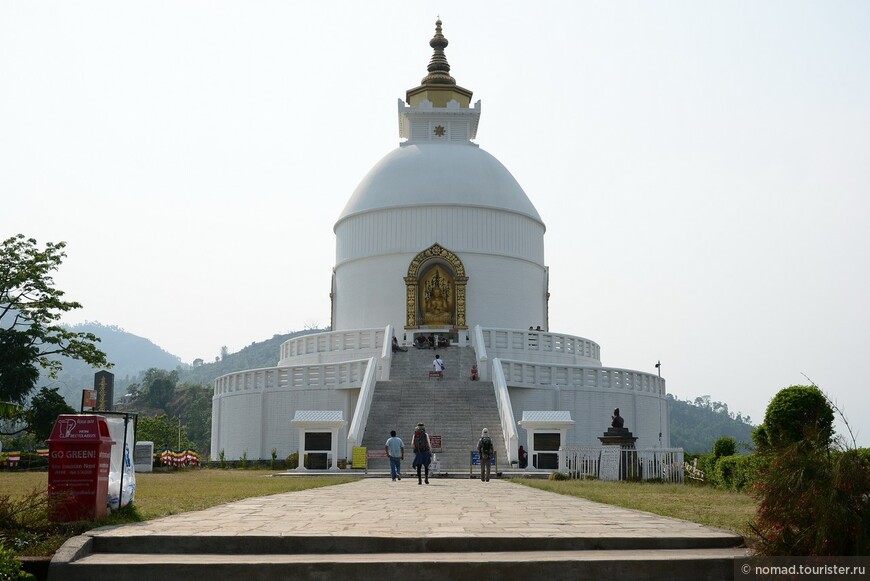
(130, 354)
(696, 425)
(254, 356)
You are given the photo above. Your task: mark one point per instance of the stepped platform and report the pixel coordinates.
(378, 529)
(452, 407)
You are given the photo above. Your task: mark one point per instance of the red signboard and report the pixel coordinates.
(80, 450)
(89, 398)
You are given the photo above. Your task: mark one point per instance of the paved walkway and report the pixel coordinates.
(377, 507)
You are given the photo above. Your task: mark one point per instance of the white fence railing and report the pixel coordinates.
(480, 353)
(505, 412)
(615, 463)
(511, 342)
(332, 341)
(347, 374)
(525, 374)
(363, 405)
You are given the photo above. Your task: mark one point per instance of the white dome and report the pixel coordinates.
(439, 174)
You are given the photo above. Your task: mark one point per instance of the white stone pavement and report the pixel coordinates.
(377, 507)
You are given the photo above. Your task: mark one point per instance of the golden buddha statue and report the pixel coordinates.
(437, 303)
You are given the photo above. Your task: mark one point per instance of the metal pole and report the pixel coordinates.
(659, 370)
(123, 459)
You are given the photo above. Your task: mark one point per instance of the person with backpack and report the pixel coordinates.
(486, 450)
(422, 451)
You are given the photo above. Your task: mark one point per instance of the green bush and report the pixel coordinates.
(813, 502)
(724, 446)
(10, 567)
(812, 499)
(793, 413)
(559, 476)
(292, 461)
(735, 473)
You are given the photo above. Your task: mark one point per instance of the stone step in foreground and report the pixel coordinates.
(377, 529)
(664, 565)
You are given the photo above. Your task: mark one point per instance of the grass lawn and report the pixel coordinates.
(701, 504)
(157, 494)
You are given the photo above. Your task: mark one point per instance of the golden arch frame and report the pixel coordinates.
(438, 253)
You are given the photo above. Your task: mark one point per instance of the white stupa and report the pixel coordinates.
(438, 241)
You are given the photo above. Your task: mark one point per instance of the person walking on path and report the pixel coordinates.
(395, 449)
(422, 451)
(485, 449)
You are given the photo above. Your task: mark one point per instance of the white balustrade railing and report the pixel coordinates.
(480, 354)
(332, 341)
(386, 354)
(505, 412)
(540, 342)
(525, 374)
(363, 406)
(615, 463)
(347, 374)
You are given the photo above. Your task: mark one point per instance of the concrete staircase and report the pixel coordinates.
(454, 407)
(335, 558)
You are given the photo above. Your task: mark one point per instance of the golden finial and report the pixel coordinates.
(439, 68)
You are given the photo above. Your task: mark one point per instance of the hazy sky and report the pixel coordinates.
(703, 168)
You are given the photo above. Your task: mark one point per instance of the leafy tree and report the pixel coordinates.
(814, 497)
(163, 431)
(160, 393)
(793, 413)
(724, 446)
(45, 406)
(30, 310)
(159, 387)
(193, 405)
(18, 375)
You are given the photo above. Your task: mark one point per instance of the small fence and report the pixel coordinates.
(615, 463)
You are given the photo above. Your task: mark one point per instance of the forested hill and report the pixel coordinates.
(130, 354)
(696, 425)
(255, 356)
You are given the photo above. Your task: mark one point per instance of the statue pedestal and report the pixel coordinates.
(619, 458)
(618, 437)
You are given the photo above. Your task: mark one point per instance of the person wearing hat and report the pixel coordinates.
(422, 451)
(486, 450)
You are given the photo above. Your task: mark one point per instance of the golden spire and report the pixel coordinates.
(439, 68)
(438, 86)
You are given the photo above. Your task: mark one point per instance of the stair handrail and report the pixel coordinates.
(387, 353)
(363, 405)
(480, 350)
(505, 411)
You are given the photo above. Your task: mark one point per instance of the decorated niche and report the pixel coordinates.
(435, 290)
